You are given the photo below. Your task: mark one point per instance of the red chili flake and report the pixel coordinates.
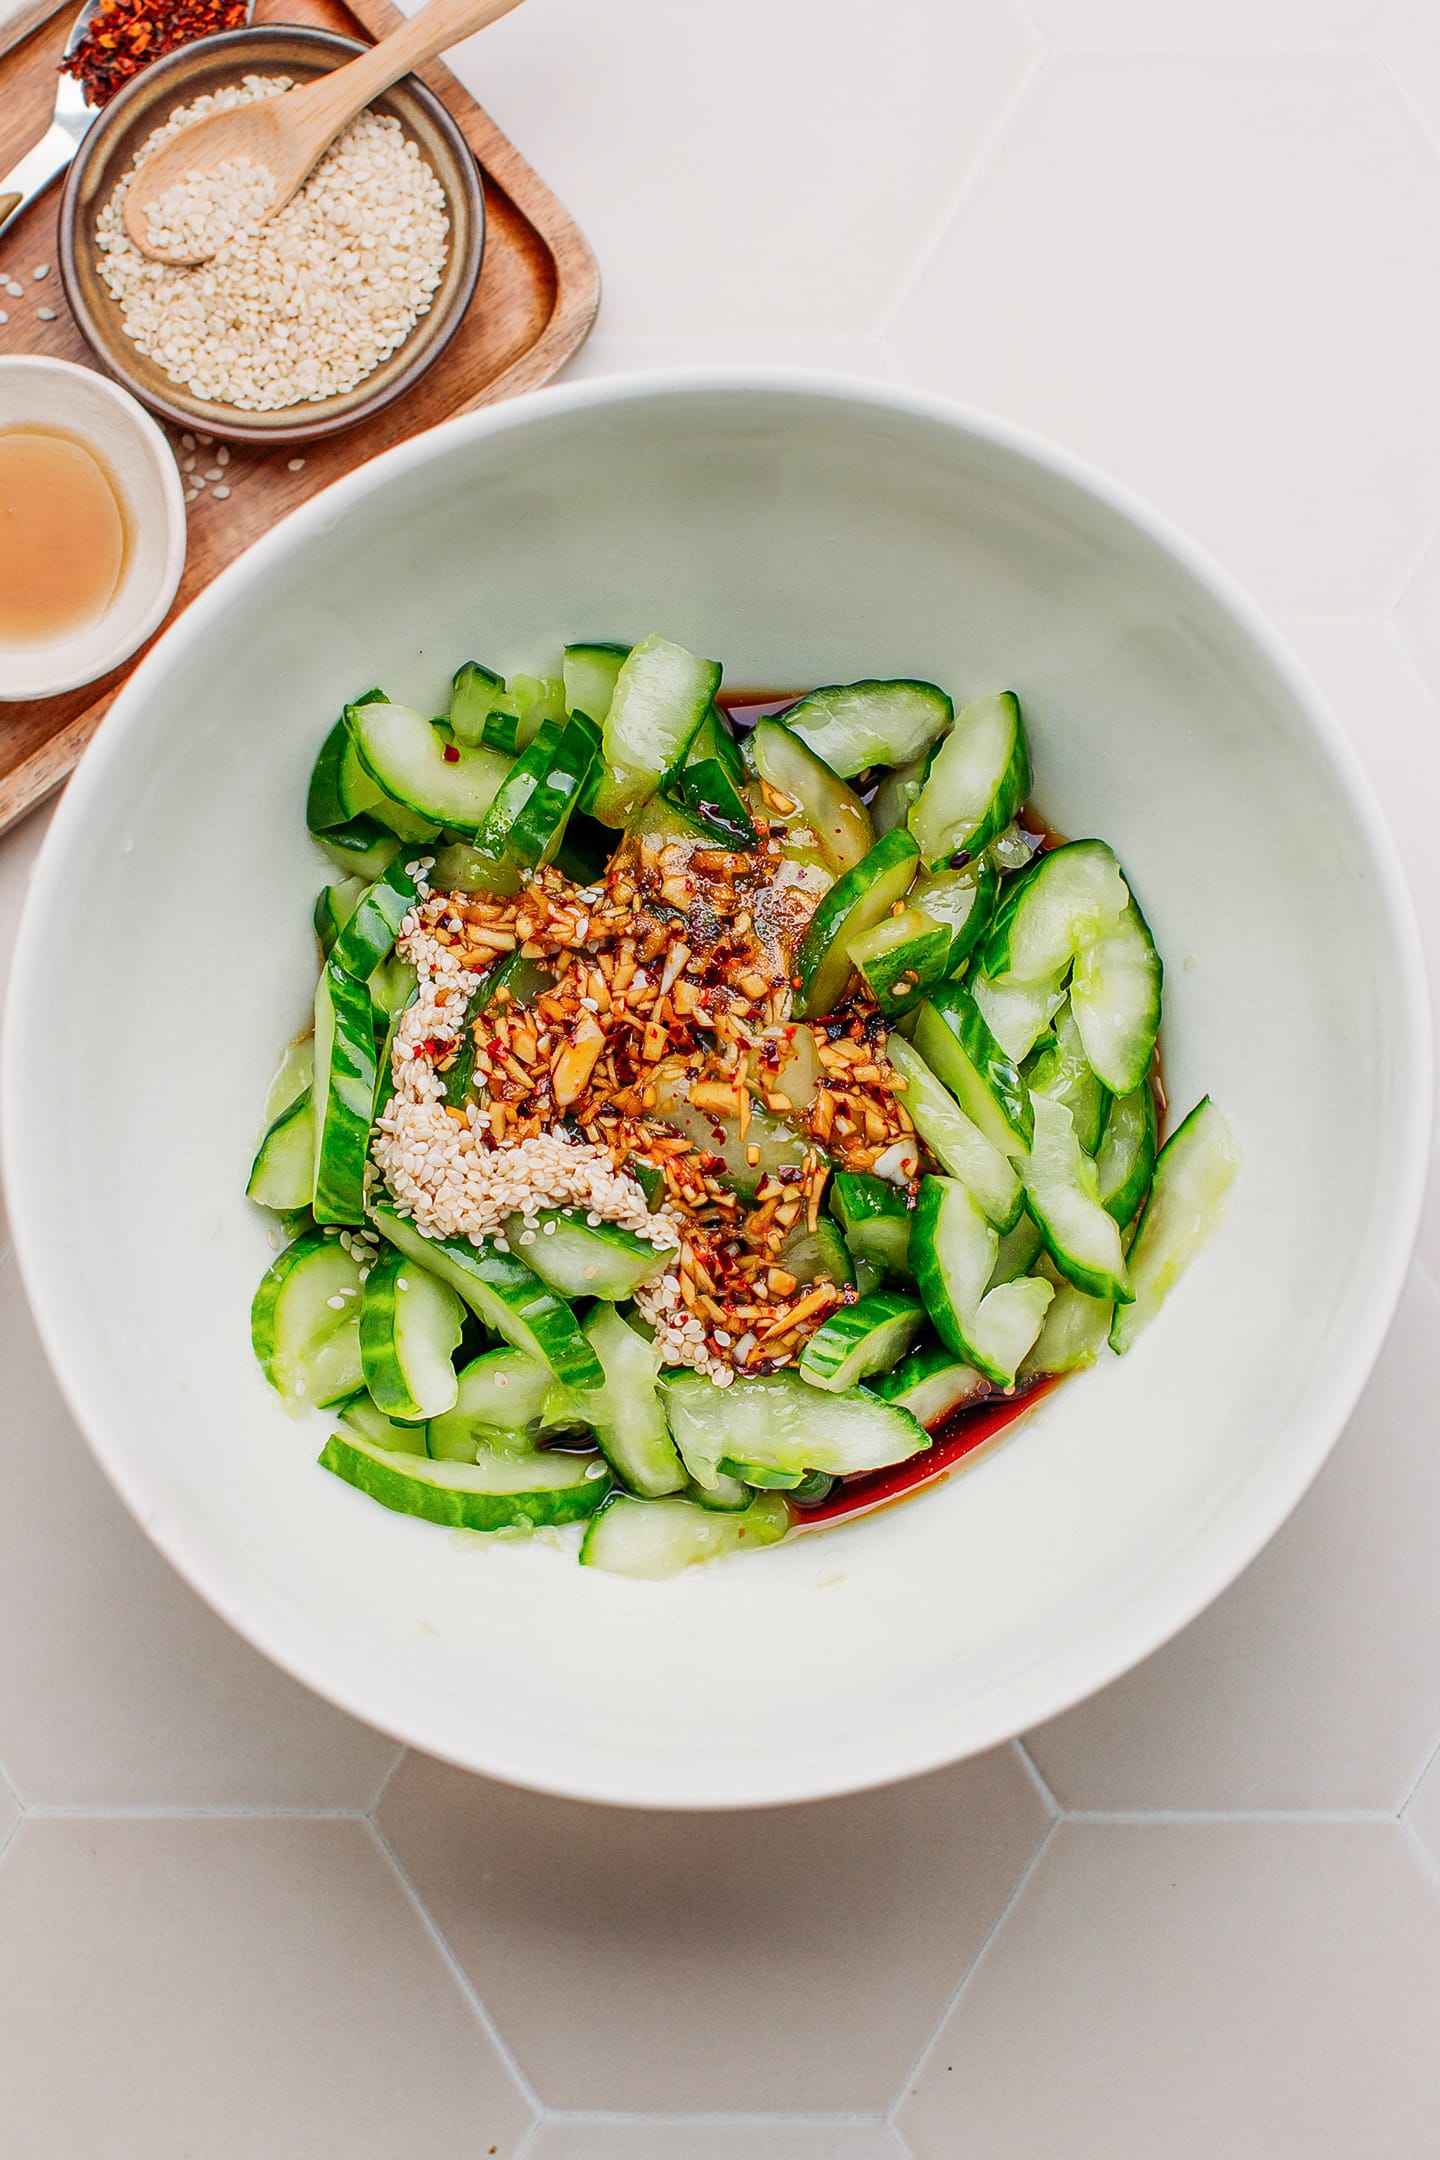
(127, 35)
(451, 754)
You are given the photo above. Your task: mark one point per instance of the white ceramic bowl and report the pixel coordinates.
(36, 392)
(805, 530)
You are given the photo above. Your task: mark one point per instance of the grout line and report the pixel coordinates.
(462, 1978)
(971, 1969)
(1430, 1762)
(969, 181)
(155, 1811)
(529, 2136)
(1159, 1818)
(1032, 1771)
(401, 1751)
(902, 2143)
(1401, 89)
(1411, 571)
(756, 2118)
(1429, 1867)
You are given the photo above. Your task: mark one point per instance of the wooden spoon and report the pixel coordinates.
(287, 135)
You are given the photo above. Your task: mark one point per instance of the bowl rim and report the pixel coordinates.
(262, 433)
(145, 430)
(1115, 1640)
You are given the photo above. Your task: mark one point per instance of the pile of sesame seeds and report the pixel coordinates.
(303, 305)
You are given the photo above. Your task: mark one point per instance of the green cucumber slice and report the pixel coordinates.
(876, 1218)
(955, 1139)
(1020, 1248)
(779, 1145)
(777, 1421)
(852, 725)
(412, 761)
(1074, 1333)
(652, 1540)
(362, 849)
(727, 1496)
(817, 1255)
(952, 1037)
(525, 824)
(340, 788)
(860, 1339)
(662, 694)
(410, 1326)
(1063, 1194)
(854, 903)
(758, 1477)
(499, 1402)
(977, 780)
(1048, 913)
(304, 1322)
(1017, 1014)
(392, 987)
(501, 1492)
(583, 1259)
(590, 673)
(624, 1412)
(711, 782)
(836, 815)
(293, 1077)
(893, 799)
(954, 1251)
(344, 1095)
(501, 1291)
(932, 1385)
(360, 1416)
(901, 958)
(368, 936)
(1115, 995)
(1194, 1172)
(282, 1175)
(963, 900)
(1060, 1069)
(475, 692)
(334, 905)
(1125, 1163)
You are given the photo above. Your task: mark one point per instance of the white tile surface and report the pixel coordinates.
(1258, 1990)
(1197, 240)
(783, 1961)
(233, 1989)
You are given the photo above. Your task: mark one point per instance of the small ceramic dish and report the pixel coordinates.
(109, 150)
(56, 397)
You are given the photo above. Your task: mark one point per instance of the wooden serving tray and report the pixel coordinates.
(537, 297)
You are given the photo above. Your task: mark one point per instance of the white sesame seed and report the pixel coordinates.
(187, 442)
(41, 270)
(296, 464)
(46, 314)
(222, 456)
(221, 494)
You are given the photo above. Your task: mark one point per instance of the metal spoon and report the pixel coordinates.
(72, 119)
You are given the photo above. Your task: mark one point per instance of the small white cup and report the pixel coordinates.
(75, 401)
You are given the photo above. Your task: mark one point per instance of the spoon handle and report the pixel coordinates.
(335, 98)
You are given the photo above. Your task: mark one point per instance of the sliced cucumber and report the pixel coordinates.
(305, 1322)
(855, 903)
(475, 692)
(624, 1411)
(655, 1539)
(334, 905)
(583, 1259)
(662, 693)
(500, 1492)
(977, 780)
(525, 824)
(711, 782)
(852, 725)
(293, 1077)
(362, 849)
(778, 1145)
(1125, 1163)
(1020, 1248)
(499, 1401)
(410, 1326)
(282, 1175)
(835, 814)
(727, 1496)
(369, 934)
(1048, 913)
(952, 1037)
(955, 1139)
(501, 1291)
(1194, 1172)
(893, 799)
(932, 1385)
(1115, 996)
(412, 761)
(590, 673)
(876, 1218)
(779, 1422)
(954, 1250)
(1063, 1195)
(962, 900)
(1060, 1069)
(344, 1095)
(340, 788)
(901, 958)
(1017, 1014)
(759, 1478)
(1074, 1334)
(360, 1416)
(860, 1339)
(818, 1255)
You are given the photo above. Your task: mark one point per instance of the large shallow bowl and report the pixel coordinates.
(805, 530)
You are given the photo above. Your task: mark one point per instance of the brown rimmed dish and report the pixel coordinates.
(108, 151)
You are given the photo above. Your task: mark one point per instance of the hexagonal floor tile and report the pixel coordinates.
(117, 1685)
(837, 154)
(1315, 1681)
(233, 1989)
(1187, 1990)
(683, 1962)
(1094, 23)
(602, 354)
(1417, 615)
(677, 2137)
(1422, 1816)
(1202, 271)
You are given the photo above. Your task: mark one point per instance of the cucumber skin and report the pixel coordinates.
(1125, 1202)
(821, 701)
(829, 1359)
(1005, 804)
(451, 1506)
(370, 931)
(344, 1108)
(1130, 1320)
(889, 857)
(379, 1327)
(713, 1534)
(264, 1309)
(950, 1022)
(503, 1293)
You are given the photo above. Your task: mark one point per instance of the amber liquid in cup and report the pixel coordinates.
(62, 537)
